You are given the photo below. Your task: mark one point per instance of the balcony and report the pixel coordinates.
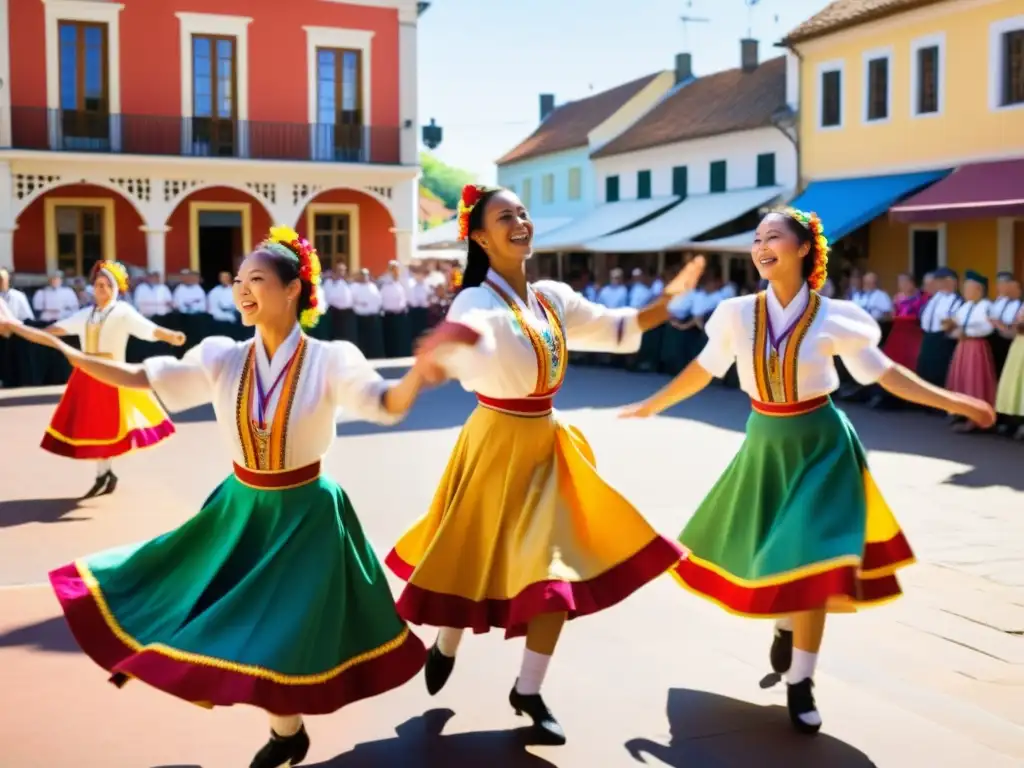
(60, 130)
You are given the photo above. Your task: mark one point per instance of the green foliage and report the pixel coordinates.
(443, 180)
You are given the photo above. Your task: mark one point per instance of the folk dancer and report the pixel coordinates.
(522, 533)
(972, 370)
(271, 595)
(95, 421)
(1010, 394)
(795, 526)
(936, 345)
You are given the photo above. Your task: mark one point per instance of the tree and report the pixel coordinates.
(444, 181)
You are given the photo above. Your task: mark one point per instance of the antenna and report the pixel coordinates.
(750, 16)
(687, 20)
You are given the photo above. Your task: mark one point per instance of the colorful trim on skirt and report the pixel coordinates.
(558, 540)
(271, 598)
(97, 421)
(796, 522)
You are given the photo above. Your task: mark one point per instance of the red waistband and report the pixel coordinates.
(790, 409)
(526, 406)
(278, 480)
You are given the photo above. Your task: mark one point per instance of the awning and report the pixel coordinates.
(446, 236)
(741, 243)
(680, 225)
(442, 254)
(846, 205)
(606, 218)
(980, 190)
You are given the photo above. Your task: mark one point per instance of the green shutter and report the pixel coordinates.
(766, 170)
(643, 185)
(718, 176)
(680, 181)
(611, 189)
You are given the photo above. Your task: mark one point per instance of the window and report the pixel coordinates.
(925, 245)
(214, 107)
(830, 95)
(339, 105)
(527, 192)
(575, 183)
(766, 170)
(611, 189)
(718, 177)
(84, 84)
(680, 181)
(876, 86)
(643, 185)
(332, 238)
(1006, 64)
(547, 188)
(79, 239)
(927, 75)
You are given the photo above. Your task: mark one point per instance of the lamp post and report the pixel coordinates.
(432, 135)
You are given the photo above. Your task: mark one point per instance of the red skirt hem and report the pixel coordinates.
(579, 598)
(211, 686)
(972, 371)
(132, 441)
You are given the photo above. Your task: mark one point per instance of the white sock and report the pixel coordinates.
(785, 623)
(531, 674)
(285, 725)
(103, 466)
(802, 667)
(448, 639)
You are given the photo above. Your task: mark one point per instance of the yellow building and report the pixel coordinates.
(911, 123)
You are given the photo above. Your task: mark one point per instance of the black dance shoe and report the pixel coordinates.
(546, 728)
(282, 751)
(781, 654)
(437, 670)
(111, 484)
(803, 712)
(98, 488)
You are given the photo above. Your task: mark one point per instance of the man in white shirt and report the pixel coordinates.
(366, 303)
(640, 294)
(189, 296)
(419, 301)
(153, 298)
(339, 301)
(56, 301)
(874, 300)
(220, 301)
(16, 300)
(615, 295)
(14, 352)
(937, 346)
(395, 303)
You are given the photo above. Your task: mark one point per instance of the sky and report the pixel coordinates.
(484, 63)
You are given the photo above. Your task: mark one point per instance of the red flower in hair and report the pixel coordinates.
(471, 194)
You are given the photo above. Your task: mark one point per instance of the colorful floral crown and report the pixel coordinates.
(309, 269)
(811, 222)
(471, 194)
(116, 270)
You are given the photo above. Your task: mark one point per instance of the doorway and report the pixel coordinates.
(80, 239)
(221, 244)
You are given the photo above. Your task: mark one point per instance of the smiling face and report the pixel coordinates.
(777, 252)
(260, 295)
(506, 231)
(102, 290)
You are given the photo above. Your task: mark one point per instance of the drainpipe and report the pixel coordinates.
(794, 134)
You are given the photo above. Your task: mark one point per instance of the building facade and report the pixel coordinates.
(895, 91)
(172, 139)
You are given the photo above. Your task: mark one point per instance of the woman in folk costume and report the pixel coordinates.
(937, 347)
(796, 527)
(95, 421)
(1010, 394)
(904, 341)
(271, 595)
(1001, 313)
(522, 533)
(972, 370)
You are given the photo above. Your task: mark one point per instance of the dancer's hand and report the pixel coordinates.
(642, 410)
(978, 411)
(429, 372)
(687, 278)
(177, 339)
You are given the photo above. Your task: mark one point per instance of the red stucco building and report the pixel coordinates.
(170, 134)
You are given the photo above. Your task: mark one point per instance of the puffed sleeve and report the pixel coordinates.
(856, 336)
(138, 326)
(474, 308)
(978, 323)
(189, 382)
(355, 386)
(591, 327)
(74, 325)
(719, 352)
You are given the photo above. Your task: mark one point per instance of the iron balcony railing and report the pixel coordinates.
(63, 130)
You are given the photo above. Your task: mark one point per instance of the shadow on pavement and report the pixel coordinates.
(420, 744)
(711, 730)
(51, 636)
(24, 511)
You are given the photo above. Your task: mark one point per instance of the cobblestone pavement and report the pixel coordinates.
(934, 679)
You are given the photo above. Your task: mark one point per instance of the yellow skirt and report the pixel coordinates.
(522, 525)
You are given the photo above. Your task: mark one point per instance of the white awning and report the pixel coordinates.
(446, 236)
(741, 243)
(442, 254)
(606, 218)
(677, 227)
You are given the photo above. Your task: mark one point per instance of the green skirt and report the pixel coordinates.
(1010, 395)
(272, 598)
(795, 523)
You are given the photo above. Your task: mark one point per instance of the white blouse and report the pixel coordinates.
(738, 331)
(504, 362)
(972, 318)
(106, 331)
(321, 379)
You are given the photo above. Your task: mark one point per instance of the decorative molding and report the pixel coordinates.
(265, 189)
(139, 188)
(301, 193)
(175, 188)
(384, 192)
(29, 185)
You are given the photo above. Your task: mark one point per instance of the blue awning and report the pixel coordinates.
(845, 205)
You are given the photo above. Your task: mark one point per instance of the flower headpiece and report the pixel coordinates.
(471, 194)
(309, 269)
(115, 271)
(811, 222)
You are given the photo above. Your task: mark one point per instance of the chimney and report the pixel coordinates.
(748, 54)
(684, 67)
(547, 105)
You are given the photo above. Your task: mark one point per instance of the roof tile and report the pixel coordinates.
(843, 14)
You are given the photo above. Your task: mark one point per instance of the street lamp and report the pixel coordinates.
(432, 135)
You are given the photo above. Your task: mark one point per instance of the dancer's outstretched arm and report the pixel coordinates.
(692, 380)
(901, 383)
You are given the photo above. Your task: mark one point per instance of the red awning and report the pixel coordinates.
(982, 190)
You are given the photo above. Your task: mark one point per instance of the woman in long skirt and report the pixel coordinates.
(972, 370)
(904, 341)
(1010, 395)
(523, 533)
(95, 421)
(796, 527)
(271, 595)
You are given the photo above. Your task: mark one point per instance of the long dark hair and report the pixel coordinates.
(477, 261)
(813, 267)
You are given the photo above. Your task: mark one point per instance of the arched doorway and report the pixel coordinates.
(212, 229)
(349, 227)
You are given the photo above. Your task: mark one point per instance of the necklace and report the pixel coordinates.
(774, 373)
(260, 428)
